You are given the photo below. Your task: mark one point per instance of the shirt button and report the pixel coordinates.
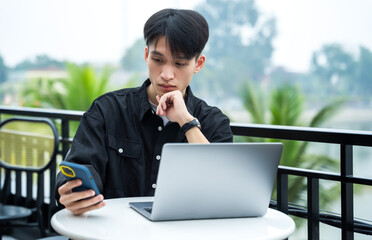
(120, 150)
(154, 185)
(158, 157)
(160, 128)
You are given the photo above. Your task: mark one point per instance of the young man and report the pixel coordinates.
(120, 137)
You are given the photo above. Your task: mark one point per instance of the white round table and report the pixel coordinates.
(118, 221)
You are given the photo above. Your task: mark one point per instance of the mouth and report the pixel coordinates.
(166, 87)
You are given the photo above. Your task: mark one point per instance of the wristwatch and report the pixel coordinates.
(193, 123)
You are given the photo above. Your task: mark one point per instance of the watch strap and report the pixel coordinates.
(193, 123)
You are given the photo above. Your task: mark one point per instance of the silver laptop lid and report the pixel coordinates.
(215, 180)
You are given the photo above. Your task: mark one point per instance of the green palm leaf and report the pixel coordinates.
(327, 112)
(286, 105)
(254, 101)
(286, 108)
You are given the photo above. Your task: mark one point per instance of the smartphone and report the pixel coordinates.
(78, 171)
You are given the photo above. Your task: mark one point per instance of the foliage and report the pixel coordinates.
(8, 92)
(239, 46)
(40, 62)
(76, 92)
(133, 60)
(335, 68)
(3, 70)
(334, 72)
(364, 72)
(253, 102)
(340, 72)
(285, 107)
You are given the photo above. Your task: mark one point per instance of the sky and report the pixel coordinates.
(304, 26)
(99, 31)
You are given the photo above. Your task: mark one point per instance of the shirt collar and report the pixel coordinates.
(145, 104)
(144, 100)
(190, 100)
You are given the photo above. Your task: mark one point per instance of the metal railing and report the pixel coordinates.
(346, 139)
(61, 117)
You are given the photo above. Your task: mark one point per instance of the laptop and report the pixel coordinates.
(217, 180)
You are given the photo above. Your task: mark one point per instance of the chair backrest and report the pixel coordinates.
(28, 148)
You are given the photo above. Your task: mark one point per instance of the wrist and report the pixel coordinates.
(185, 120)
(189, 125)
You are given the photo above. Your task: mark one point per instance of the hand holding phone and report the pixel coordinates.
(78, 171)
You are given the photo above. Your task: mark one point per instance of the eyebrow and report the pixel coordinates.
(179, 57)
(156, 53)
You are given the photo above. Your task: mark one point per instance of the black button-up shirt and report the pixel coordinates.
(120, 139)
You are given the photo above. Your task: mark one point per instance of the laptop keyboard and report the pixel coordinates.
(148, 210)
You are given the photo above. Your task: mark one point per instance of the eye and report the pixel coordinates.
(180, 64)
(157, 60)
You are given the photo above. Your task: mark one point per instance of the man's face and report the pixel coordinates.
(168, 73)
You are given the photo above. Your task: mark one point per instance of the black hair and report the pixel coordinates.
(186, 31)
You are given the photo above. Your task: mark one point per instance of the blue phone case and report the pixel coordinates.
(78, 171)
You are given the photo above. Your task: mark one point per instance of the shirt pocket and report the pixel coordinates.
(125, 147)
(124, 166)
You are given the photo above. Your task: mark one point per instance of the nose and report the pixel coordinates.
(167, 73)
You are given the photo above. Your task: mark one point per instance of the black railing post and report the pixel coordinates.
(65, 137)
(52, 204)
(282, 192)
(347, 198)
(313, 208)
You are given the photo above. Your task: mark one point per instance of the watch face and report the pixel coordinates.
(194, 123)
(197, 123)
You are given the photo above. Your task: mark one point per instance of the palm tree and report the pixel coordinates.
(76, 92)
(286, 107)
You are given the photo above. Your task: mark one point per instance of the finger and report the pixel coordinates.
(167, 102)
(68, 186)
(90, 208)
(162, 102)
(70, 198)
(76, 206)
(158, 109)
(161, 109)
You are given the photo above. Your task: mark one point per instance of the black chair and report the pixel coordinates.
(28, 148)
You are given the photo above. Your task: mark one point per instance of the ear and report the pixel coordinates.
(146, 54)
(199, 63)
